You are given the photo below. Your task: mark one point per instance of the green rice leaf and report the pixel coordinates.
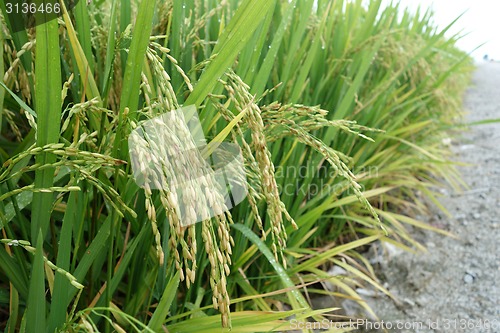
(294, 295)
(163, 308)
(232, 40)
(48, 108)
(36, 305)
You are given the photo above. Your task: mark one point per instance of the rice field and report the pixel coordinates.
(339, 111)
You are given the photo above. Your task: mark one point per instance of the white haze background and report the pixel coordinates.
(480, 21)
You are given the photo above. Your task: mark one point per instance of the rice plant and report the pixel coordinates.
(339, 110)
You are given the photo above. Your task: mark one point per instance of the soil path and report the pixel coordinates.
(455, 287)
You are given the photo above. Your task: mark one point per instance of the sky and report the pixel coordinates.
(481, 21)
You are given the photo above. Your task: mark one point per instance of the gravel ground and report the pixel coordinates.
(455, 287)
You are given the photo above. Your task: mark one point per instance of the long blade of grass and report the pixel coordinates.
(242, 322)
(249, 58)
(125, 20)
(10, 267)
(93, 251)
(18, 100)
(265, 70)
(311, 55)
(13, 310)
(135, 60)
(35, 312)
(132, 78)
(163, 308)
(61, 284)
(322, 257)
(110, 52)
(295, 51)
(48, 108)
(91, 89)
(82, 23)
(216, 142)
(245, 21)
(295, 296)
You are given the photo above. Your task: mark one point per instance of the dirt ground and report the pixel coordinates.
(455, 287)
